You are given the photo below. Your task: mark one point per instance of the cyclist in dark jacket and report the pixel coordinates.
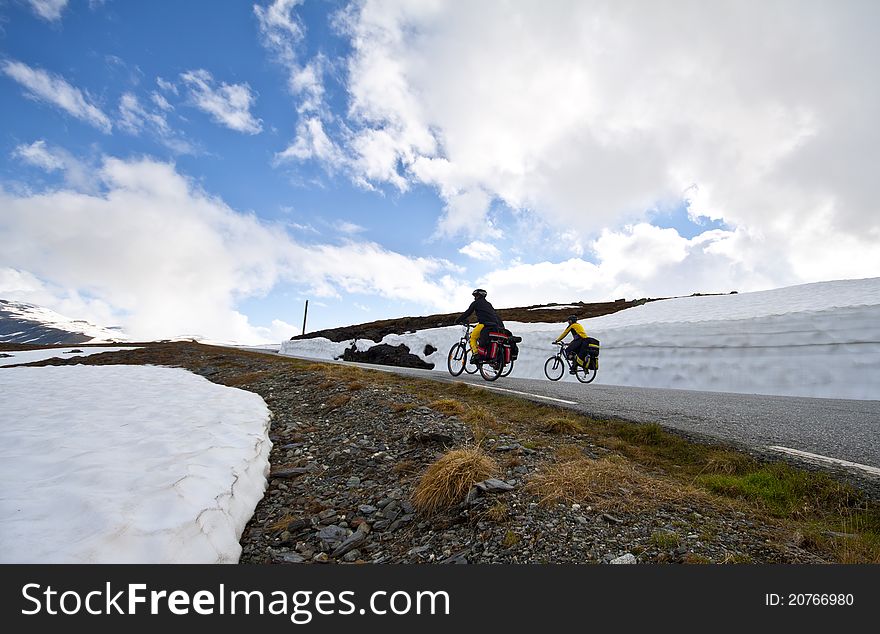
(486, 316)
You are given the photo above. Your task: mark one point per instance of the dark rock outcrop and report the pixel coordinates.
(385, 354)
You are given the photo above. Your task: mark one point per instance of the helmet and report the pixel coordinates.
(572, 319)
(479, 292)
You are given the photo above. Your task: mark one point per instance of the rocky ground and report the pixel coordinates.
(349, 447)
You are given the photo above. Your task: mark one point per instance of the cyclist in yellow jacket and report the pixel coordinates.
(578, 342)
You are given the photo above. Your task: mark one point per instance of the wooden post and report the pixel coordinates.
(305, 315)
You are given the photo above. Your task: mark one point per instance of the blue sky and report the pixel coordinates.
(205, 167)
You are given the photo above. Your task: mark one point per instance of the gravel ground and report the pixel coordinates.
(347, 455)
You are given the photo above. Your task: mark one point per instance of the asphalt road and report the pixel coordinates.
(835, 429)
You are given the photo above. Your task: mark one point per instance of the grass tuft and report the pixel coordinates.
(611, 483)
(447, 406)
(560, 425)
(446, 482)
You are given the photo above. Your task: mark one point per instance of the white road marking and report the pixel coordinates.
(819, 458)
(503, 389)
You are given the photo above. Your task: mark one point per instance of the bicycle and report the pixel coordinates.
(458, 359)
(498, 363)
(554, 367)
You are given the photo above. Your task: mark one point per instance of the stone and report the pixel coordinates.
(492, 485)
(628, 558)
(366, 509)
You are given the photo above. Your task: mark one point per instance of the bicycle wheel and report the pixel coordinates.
(492, 368)
(585, 375)
(508, 369)
(456, 360)
(554, 368)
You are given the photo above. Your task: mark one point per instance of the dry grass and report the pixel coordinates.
(402, 407)
(496, 513)
(245, 378)
(337, 401)
(405, 466)
(355, 386)
(447, 406)
(608, 484)
(447, 481)
(281, 524)
(561, 425)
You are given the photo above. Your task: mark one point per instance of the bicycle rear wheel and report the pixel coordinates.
(456, 360)
(585, 375)
(491, 369)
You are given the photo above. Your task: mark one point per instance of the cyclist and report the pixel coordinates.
(486, 316)
(578, 345)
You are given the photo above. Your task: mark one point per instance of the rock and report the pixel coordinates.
(366, 509)
(332, 534)
(353, 481)
(628, 558)
(457, 558)
(492, 485)
(429, 350)
(288, 558)
(384, 354)
(355, 539)
(352, 555)
(291, 472)
(321, 558)
(423, 437)
(327, 514)
(611, 519)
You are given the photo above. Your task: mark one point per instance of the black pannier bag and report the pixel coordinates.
(512, 341)
(593, 348)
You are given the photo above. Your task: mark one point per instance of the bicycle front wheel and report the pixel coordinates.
(456, 360)
(554, 368)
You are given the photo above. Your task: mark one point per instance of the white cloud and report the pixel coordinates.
(644, 261)
(312, 143)
(48, 9)
(228, 104)
(54, 89)
(135, 118)
(481, 251)
(39, 155)
(77, 174)
(349, 228)
(282, 33)
(166, 85)
(591, 113)
(161, 257)
(160, 101)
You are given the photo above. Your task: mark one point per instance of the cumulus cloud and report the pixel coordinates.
(312, 142)
(642, 261)
(591, 113)
(49, 10)
(155, 253)
(54, 89)
(481, 251)
(228, 104)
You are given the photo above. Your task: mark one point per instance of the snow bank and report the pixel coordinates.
(820, 340)
(127, 464)
(32, 356)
